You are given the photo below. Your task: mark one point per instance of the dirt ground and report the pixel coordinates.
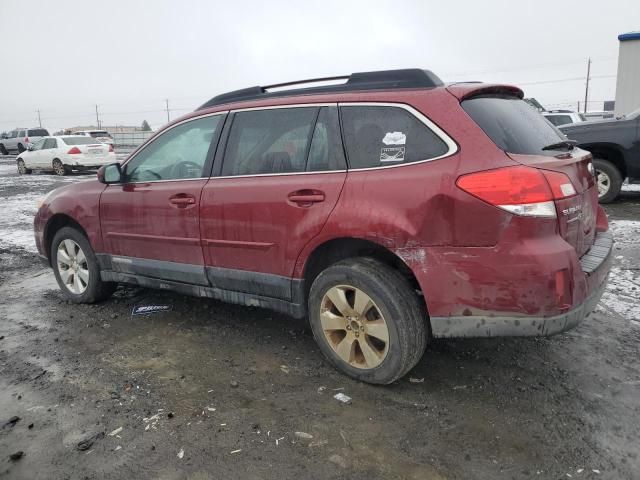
(215, 391)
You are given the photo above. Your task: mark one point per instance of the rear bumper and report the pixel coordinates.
(595, 266)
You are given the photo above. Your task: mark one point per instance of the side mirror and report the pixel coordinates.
(111, 173)
(30, 147)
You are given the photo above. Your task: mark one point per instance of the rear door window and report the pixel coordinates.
(49, 143)
(513, 125)
(377, 136)
(269, 141)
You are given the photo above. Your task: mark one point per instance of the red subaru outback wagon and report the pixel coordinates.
(389, 209)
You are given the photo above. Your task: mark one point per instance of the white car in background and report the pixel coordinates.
(564, 117)
(65, 153)
(100, 135)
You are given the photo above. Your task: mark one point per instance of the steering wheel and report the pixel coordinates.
(181, 169)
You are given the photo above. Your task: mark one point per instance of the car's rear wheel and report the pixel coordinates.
(59, 168)
(608, 180)
(367, 320)
(21, 148)
(76, 268)
(22, 168)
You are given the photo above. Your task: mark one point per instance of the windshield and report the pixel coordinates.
(79, 141)
(632, 115)
(512, 124)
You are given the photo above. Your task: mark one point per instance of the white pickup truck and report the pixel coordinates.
(18, 140)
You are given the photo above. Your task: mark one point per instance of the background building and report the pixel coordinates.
(628, 82)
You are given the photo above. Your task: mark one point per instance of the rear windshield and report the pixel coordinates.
(99, 134)
(512, 124)
(79, 141)
(38, 132)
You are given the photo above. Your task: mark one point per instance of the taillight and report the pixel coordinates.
(26, 139)
(110, 148)
(74, 151)
(520, 190)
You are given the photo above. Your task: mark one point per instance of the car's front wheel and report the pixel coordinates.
(22, 168)
(367, 320)
(76, 268)
(59, 168)
(3, 150)
(608, 179)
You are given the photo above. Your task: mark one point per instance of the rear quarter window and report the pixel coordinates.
(512, 124)
(378, 136)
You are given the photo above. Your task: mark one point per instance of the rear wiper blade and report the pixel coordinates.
(568, 144)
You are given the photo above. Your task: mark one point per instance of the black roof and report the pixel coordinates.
(379, 80)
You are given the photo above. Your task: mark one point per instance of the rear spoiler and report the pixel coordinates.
(465, 91)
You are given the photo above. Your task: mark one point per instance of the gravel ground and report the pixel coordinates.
(210, 390)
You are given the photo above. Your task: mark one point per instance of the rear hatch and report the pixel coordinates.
(530, 140)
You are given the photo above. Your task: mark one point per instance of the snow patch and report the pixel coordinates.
(622, 294)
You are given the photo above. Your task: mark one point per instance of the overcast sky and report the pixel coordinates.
(64, 57)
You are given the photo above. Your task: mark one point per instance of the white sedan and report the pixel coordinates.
(65, 153)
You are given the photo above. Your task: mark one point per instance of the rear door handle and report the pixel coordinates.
(306, 197)
(182, 200)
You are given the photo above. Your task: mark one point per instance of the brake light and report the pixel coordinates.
(74, 151)
(520, 190)
(26, 139)
(110, 148)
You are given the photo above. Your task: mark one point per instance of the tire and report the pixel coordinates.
(59, 169)
(3, 150)
(393, 300)
(21, 148)
(22, 168)
(608, 180)
(87, 287)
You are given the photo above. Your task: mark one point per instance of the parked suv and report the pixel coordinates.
(389, 209)
(20, 139)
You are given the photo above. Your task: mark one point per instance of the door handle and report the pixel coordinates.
(182, 200)
(306, 198)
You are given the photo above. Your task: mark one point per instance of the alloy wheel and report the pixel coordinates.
(58, 168)
(354, 327)
(72, 266)
(604, 183)
(22, 169)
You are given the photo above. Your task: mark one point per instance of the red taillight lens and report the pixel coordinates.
(74, 151)
(507, 186)
(110, 148)
(26, 139)
(521, 190)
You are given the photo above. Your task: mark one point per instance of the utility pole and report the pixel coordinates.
(166, 101)
(39, 119)
(97, 117)
(586, 90)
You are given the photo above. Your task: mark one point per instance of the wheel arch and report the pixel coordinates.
(334, 250)
(55, 223)
(609, 152)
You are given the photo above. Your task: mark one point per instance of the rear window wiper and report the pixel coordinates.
(568, 144)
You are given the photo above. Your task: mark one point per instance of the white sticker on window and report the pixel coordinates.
(392, 154)
(394, 138)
